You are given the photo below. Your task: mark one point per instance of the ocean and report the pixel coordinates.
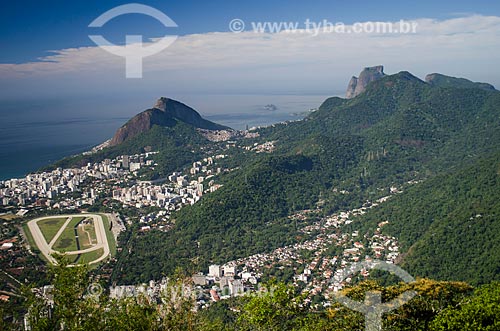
(36, 132)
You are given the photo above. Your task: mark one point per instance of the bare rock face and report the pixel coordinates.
(357, 85)
(351, 88)
(165, 112)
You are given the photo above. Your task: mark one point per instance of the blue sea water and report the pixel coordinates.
(37, 132)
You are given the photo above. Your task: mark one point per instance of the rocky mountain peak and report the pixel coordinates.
(357, 85)
(166, 112)
(161, 103)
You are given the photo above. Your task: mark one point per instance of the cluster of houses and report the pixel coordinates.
(221, 282)
(45, 188)
(322, 273)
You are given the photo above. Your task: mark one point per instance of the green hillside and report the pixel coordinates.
(449, 226)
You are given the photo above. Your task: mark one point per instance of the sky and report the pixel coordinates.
(61, 93)
(46, 51)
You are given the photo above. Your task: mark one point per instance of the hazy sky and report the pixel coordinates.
(46, 50)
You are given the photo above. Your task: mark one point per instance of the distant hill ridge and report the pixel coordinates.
(357, 85)
(448, 81)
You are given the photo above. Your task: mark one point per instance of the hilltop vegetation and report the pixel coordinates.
(438, 306)
(447, 81)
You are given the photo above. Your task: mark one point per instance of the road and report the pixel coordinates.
(46, 249)
(59, 232)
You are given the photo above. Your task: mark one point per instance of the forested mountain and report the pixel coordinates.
(399, 129)
(169, 126)
(421, 158)
(449, 225)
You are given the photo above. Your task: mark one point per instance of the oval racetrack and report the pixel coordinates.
(46, 248)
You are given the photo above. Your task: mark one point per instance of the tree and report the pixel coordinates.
(481, 312)
(278, 308)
